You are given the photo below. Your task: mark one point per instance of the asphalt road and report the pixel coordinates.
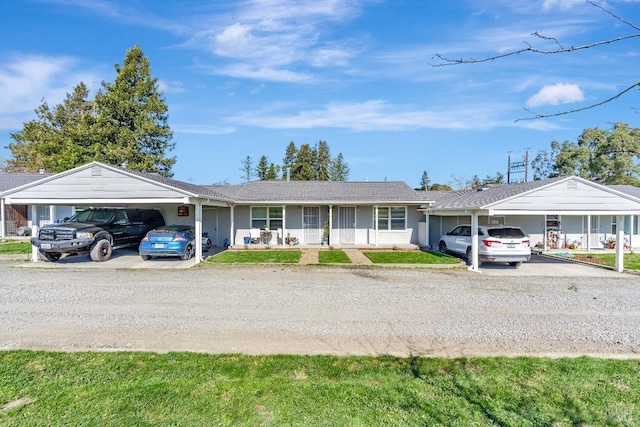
(322, 310)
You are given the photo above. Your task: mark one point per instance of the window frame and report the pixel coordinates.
(271, 220)
(389, 219)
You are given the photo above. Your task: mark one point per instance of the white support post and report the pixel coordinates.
(375, 222)
(619, 243)
(2, 224)
(545, 236)
(198, 231)
(631, 231)
(474, 243)
(232, 227)
(330, 224)
(284, 224)
(35, 225)
(588, 233)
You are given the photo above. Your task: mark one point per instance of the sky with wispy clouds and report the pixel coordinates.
(245, 78)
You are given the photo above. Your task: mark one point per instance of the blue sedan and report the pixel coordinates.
(171, 240)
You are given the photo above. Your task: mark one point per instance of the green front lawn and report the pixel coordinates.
(150, 389)
(14, 247)
(256, 257)
(333, 257)
(409, 257)
(631, 260)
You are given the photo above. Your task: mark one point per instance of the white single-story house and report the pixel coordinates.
(555, 212)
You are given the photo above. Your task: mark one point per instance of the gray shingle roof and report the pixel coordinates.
(9, 181)
(323, 191)
(627, 189)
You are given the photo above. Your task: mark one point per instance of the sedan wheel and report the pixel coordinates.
(187, 252)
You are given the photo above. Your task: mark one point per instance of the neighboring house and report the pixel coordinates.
(553, 212)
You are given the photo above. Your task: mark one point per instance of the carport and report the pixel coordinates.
(97, 184)
(572, 196)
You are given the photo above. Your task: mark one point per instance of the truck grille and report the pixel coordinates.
(57, 234)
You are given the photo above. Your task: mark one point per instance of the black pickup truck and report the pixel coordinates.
(96, 231)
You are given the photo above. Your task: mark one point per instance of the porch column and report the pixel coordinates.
(631, 231)
(2, 224)
(544, 234)
(52, 214)
(198, 231)
(232, 227)
(35, 224)
(474, 243)
(330, 224)
(284, 224)
(375, 222)
(619, 243)
(589, 233)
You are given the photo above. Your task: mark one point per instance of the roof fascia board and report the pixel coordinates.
(10, 201)
(329, 202)
(569, 213)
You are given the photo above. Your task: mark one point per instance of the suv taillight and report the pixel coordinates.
(488, 242)
(526, 242)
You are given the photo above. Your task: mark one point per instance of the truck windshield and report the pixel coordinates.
(92, 216)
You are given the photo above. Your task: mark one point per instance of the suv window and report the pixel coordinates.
(506, 232)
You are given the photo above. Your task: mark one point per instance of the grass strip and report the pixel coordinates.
(409, 257)
(256, 257)
(116, 389)
(631, 260)
(14, 247)
(333, 257)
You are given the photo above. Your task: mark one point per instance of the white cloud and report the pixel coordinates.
(170, 86)
(559, 93)
(26, 80)
(377, 115)
(560, 4)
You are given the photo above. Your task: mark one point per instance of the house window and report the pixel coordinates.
(270, 216)
(614, 228)
(44, 213)
(392, 218)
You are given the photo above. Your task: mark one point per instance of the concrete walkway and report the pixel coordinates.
(357, 257)
(309, 256)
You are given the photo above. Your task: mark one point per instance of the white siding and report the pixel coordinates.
(568, 196)
(84, 184)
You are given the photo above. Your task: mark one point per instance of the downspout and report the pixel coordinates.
(620, 243)
(198, 218)
(232, 221)
(427, 243)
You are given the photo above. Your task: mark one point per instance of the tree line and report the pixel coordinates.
(124, 124)
(306, 163)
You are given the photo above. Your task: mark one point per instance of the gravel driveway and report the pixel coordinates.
(319, 310)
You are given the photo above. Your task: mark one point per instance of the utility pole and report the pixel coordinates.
(518, 167)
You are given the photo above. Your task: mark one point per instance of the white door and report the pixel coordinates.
(347, 224)
(311, 225)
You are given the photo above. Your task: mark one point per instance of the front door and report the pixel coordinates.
(347, 224)
(311, 225)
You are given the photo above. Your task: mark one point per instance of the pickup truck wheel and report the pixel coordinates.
(51, 256)
(101, 251)
(187, 252)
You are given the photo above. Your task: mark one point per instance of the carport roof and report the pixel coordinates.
(14, 180)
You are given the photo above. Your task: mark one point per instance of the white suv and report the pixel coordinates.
(500, 243)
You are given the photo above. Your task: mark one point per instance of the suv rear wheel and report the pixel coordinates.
(101, 250)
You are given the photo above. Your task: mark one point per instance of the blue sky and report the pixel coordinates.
(247, 77)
